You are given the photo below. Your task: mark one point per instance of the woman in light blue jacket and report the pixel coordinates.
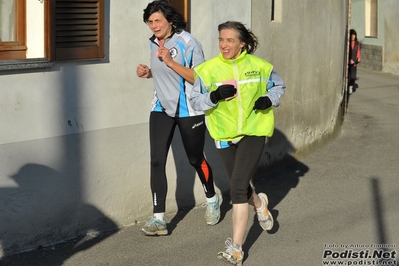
(174, 53)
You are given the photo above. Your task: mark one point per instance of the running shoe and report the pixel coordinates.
(265, 218)
(233, 253)
(212, 213)
(155, 227)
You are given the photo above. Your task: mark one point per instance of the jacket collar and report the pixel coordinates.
(238, 59)
(153, 38)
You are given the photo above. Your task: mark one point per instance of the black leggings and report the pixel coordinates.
(240, 162)
(192, 131)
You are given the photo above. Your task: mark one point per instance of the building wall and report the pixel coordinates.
(371, 47)
(372, 57)
(308, 52)
(378, 53)
(391, 36)
(74, 145)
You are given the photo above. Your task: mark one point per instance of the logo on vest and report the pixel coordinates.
(252, 73)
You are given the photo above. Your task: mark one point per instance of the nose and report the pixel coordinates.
(152, 25)
(222, 44)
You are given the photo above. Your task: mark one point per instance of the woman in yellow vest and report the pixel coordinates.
(237, 91)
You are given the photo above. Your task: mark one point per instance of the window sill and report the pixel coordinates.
(25, 64)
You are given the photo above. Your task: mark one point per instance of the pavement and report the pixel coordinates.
(337, 206)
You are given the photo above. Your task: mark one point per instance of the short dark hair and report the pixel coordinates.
(168, 11)
(244, 34)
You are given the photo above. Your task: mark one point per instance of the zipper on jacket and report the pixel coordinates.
(239, 129)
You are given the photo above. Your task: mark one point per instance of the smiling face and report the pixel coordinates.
(229, 44)
(159, 26)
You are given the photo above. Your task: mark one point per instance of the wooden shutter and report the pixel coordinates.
(183, 7)
(78, 29)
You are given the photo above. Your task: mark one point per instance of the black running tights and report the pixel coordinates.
(240, 162)
(192, 131)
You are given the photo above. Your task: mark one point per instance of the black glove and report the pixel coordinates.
(262, 103)
(223, 92)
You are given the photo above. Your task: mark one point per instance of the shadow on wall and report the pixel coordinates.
(44, 202)
(47, 205)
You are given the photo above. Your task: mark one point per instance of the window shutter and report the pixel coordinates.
(79, 29)
(183, 7)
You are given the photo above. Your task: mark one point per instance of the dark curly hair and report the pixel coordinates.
(168, 11)
(244, 35)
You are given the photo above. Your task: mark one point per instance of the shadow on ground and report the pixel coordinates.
(276, 179)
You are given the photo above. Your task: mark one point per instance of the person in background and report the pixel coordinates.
(174, 53)
(238, 91)
(354, 59)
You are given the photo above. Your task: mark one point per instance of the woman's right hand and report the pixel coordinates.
(143, 71)
(223, 92)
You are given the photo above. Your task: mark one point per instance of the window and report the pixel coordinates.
(371, 18)
(276, 10)
(77, 29)
(183, 7)
(72, 29)
(12, 29)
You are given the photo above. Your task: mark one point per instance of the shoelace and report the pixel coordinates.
(263, 215)
(211, 205)
(154, 221)
(231, 249)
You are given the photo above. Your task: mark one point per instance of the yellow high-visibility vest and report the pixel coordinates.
(232, 119)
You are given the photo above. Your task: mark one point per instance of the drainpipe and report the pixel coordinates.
(346, 58)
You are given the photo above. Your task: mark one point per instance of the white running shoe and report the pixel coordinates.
(212, 213)
(155, 227)
(233, 253)
(265, 217)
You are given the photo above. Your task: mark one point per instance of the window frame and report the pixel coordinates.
(371, 18)
(14, 50)
(13, 54)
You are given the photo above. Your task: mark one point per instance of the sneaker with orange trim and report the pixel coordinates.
(265, 217)
(233, 253)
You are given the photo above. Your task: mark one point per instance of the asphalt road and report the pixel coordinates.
(340, 202)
